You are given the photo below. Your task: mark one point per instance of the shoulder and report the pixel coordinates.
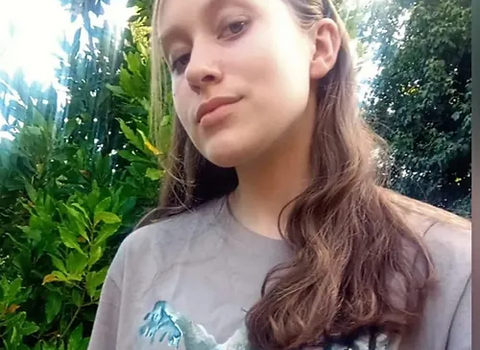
(159, 243)
(450, 247)
(446, 236)
(447, 239)
(176, 228)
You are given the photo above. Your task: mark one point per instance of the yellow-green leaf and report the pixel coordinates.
(55, 276)
(154, 174)
(12, 309)
(49, 279)
(108, 218)
(148, 144)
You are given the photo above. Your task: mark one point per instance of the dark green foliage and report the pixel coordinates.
(421, 99)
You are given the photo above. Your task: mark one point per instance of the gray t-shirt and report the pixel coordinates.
(192, 277)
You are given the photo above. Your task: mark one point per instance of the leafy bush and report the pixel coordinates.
(73, 183)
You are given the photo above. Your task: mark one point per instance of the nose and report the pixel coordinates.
(202, 70)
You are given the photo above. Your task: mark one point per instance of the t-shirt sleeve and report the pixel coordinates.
(460, 337)
(105, 327)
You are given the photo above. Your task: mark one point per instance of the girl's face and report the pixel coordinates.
(241, 74)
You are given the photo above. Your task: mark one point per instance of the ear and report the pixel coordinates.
(325, 41)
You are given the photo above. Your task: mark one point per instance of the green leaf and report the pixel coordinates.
(103, 205)
(69, 127)
(144, 137)
(84, 343)
(17, 319)
(134, 158)
(54, 277)
(53, 306)
(154, 174)
(96, 253)
(109, 218)
(127, 206)
(74, 342)
(130, 135)
(134, 62)
(34, 234)
(17, 243)
(107, 231)
(80, 218)
(29, 328)
(76, 263)
(77, 298)
(14, 337)
(15, 287)
(58, 263)
(32, 193)
(94, 196)
(60, 276)
(95, 279)
(68, 238)
(84, 217)
(116, 90)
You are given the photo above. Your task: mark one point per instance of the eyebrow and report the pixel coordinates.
(174, 30)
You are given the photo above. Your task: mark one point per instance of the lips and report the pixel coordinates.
(214, 103)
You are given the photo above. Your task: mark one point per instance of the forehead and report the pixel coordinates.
(175, 19)
(169, 6)
(175, 13)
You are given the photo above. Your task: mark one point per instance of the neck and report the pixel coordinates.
(266, 185)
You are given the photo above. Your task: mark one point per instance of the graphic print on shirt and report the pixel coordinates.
(164, 322)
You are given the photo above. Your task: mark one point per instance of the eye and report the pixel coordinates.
(180, 64)
(234, 28)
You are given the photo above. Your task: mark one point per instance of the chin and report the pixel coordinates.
(224, 158)
(226, 153)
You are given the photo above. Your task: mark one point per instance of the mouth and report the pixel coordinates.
(212, 104)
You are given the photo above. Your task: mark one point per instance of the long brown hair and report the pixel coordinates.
(356, 262)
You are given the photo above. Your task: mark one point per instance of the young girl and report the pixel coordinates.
(274, 231)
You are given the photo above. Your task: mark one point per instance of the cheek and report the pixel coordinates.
(277, 61)
(177, 94)
(182, 103)
(280, 81)
(291, 66)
